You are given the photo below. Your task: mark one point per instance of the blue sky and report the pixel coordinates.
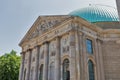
(17, 16)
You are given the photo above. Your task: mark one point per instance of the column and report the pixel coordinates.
(36, 62)
(45, 69)
(22, 66)
(57, 59)
(77, 54)
(29, 65)
(72, 56)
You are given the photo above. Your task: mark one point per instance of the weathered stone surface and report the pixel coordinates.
(65, 38)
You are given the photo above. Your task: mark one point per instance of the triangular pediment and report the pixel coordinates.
(42, 24)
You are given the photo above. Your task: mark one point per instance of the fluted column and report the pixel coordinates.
(72, 56)
(36, 62)
(29, 64)
(22, 66)
(57, 59)
(45, 69)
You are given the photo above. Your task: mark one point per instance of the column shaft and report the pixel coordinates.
(77, 54)
(22, 66)
(57, 60)
(36, 63)
(29, 65)
(45, 70)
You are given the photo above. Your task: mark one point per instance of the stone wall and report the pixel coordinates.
(108, 25)
(111, 60)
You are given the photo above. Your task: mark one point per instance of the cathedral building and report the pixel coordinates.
(83, 45)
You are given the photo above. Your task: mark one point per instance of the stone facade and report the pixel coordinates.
(53, 39)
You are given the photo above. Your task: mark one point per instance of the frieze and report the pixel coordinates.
(89, 32)
(53, 34)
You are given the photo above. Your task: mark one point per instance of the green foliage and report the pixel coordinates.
(9, 66)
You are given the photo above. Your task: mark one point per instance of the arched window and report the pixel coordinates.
(52, 71)
(41, 73)
(66, 71)
(24, 74)
(91, 70)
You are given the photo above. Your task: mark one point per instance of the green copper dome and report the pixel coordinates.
(97, 13)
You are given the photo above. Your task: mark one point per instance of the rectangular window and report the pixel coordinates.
(89, 46)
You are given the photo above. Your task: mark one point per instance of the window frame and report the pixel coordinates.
(90, 45)
(92, 71)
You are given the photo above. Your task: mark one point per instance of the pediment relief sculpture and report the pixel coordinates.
(42, 24)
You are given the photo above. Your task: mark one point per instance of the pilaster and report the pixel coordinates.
(97, 66)
(101, 60)
(72, 56)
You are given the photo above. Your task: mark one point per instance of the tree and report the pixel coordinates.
(9, 66)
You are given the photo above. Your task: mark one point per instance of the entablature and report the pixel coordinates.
(65, 27)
